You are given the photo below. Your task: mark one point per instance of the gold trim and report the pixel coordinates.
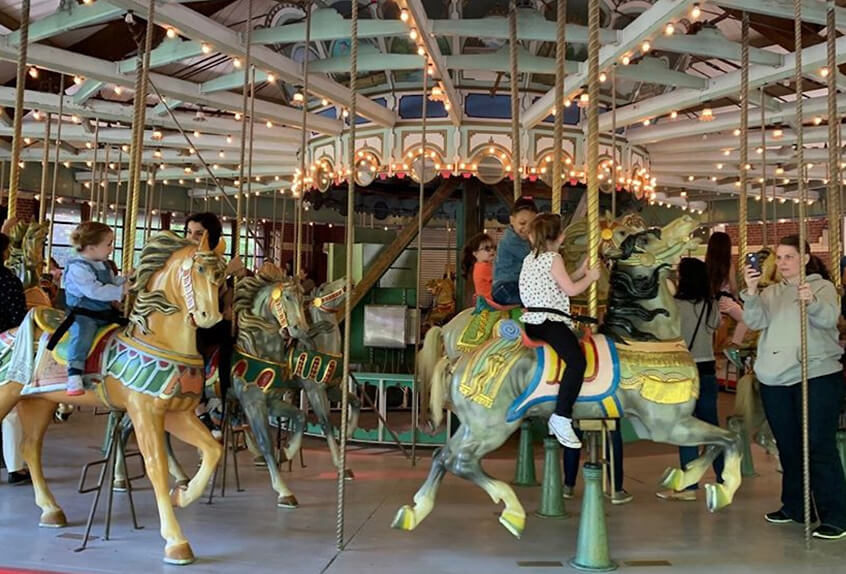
(241, 351)
(187, 360)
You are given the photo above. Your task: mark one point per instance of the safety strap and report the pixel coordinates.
(110, 316)
(577, 318)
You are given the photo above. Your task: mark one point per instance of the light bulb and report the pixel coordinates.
(645, 46)
(626, 60)
(206, 48)
(171, 33)
(669, 29)
(695, 12)
(674, 114)
(236, 62)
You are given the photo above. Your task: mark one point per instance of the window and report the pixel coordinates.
(65, 220)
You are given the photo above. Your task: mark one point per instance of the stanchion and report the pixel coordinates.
(552, 491)
(592, 553)
(230, 444)
(841, 448)
(524, 474)
(747, 465)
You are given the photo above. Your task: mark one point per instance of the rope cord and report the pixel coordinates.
(763, 167)
(593, 150)
(248, 66)
(304, 147)
(248, 188)
(17, 124)
(94, 195)
(614, 140)
(117, 186)
(103, 191)
(743, 198)
(350, 238)
(55, 181)
(834, 233)
(45, 159)
(560, 74)
(517, 156)
(803, 307)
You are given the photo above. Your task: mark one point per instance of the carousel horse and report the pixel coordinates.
(443, 303)
(150, 368)
(638, 366)
(27, 261)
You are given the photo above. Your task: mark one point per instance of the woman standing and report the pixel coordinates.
(775, 312)
(722, 281)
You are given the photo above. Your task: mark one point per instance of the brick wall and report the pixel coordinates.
(815, 228)
(27, 208)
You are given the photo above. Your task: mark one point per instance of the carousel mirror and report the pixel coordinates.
(429, 171)
(491, 169)
(365, 172)
(323, 177)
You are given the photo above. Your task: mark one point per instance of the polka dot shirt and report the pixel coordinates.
(539, 289)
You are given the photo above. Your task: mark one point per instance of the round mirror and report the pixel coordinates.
(490, 169)
(323, 177)
(546, 175)
(365, 173)
(428, 169)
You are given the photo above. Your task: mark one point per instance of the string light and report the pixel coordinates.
(645, 46)
(669, 29)
(171, 33)
(206, 48)
(78, 80)
(626, 60)
(236, 62)
(404, 15)
(695, 12)
(33, 72)
(674, 114)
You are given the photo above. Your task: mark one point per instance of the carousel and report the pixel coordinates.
(296, 197)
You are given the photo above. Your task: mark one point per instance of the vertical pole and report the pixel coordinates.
(45, 159)
(348, 272)
(418, 290)
(560, 73)
(834, 235)
(246, 189)
(55, 173)
(803, 307)
(298, 218)
(94, 193)
(743, 198)
(614, 165)
(248, 66)
(516, 159)
(593, 149)
(764, 168)
(17, 124)
(103, 193)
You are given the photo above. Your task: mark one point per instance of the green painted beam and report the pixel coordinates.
(712, 44)
(530, 26)
(161, 108)
(327, 24)
(368, 63)
(230, 81)
(62, 20)
(499, 62)
(655, 71)
(168, 52)
(86, 91)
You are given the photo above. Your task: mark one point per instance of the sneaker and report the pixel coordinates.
(829, 532)
(779, 517)
(621, 497)
(677, 495)
(75, 388)
(20, 477)
(568, 491)
(562, 428)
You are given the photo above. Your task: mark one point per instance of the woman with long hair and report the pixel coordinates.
(722, 284)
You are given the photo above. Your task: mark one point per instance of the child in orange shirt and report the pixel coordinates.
(478, 258)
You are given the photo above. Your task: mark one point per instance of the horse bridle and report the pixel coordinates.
(187, 282)
(278, 309)
(319, 302)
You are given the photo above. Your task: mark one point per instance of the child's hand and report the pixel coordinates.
(125, 288)
(593, 273)
(583, 268)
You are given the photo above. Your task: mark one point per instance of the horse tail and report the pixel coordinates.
(747, 402)
(438, 391)
(427, 358)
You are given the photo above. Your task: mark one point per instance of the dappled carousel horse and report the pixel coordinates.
(638, 366)
(26, 259)
(151, 369)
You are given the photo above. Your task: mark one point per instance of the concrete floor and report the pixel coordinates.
(245, 531)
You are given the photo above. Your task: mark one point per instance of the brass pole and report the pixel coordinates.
(298, 230)
(248, 66)
(17, 124)
(94, 194)
(516, 158)
(249, 187)
(593, 150)
(764, 169)
(834, 223)
(560, 73)
(55, 172)
(743, 214)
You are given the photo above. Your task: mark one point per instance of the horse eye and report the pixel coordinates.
(201, 269)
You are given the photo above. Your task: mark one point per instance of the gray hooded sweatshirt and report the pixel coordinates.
(775, 312)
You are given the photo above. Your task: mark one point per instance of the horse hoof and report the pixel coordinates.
(514, 523)
(673, 479)
(182, 483)
(405, 519)
(119, 485)
(716, 497)
(53, 519)
(179, 554)
(349, 474)
(289, 501)
(260, 462)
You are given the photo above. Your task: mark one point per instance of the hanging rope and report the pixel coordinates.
(55, 173)
(593, 150)
(103, 191)
(834, 234)
(239, 204)
(764, 168)
(282, 231)
(614, 140)
(298, 230)
(803, 307)
(94, 194)
(516, 156)
(135, 152)
(45, 158)
(17, 125)
(117, 186)
(560, 73)
(247, 189)
(350, 238)
(743, 214)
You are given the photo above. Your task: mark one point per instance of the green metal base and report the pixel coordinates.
(552, 493)
(524, 474)
(592, 553)
(747, 464)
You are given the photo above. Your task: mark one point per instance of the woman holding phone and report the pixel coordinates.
(775, 313)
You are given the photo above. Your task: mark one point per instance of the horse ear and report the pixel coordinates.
(204, 242)
(221, 247)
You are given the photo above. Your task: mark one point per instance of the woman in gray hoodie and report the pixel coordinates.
(775, 313)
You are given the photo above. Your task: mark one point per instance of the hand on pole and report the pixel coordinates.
(805, 293)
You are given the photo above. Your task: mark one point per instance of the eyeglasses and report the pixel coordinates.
(488, 248)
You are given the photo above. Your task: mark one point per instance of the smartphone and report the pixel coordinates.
(753, 261)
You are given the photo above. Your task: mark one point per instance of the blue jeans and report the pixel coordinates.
(705, 410)
(82, 332)
(572, 455)
(783, 406)
(507, 293)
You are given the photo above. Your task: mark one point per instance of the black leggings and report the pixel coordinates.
(561, 338)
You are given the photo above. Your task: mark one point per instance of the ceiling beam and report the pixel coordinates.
(281, 167)
(64, 20)
(655, 71)
(531, 26)
(722, 142)
(667, 129)
(498, 62)
(367, 63)
(711, 43)
(419, 20)
(643, 27)
(225, 40)
(726, 85)
(326, 25)
(67, 62)
(813, 11)
(169, 156)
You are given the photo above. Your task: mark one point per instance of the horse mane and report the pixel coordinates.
(623, 308)
(155, 255)
(249, 289)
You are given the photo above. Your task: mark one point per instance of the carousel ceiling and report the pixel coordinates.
(674, 64)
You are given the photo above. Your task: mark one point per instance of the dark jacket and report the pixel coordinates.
(12, 300)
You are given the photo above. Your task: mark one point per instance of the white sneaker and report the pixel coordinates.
(75, 388)
(562, 428)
